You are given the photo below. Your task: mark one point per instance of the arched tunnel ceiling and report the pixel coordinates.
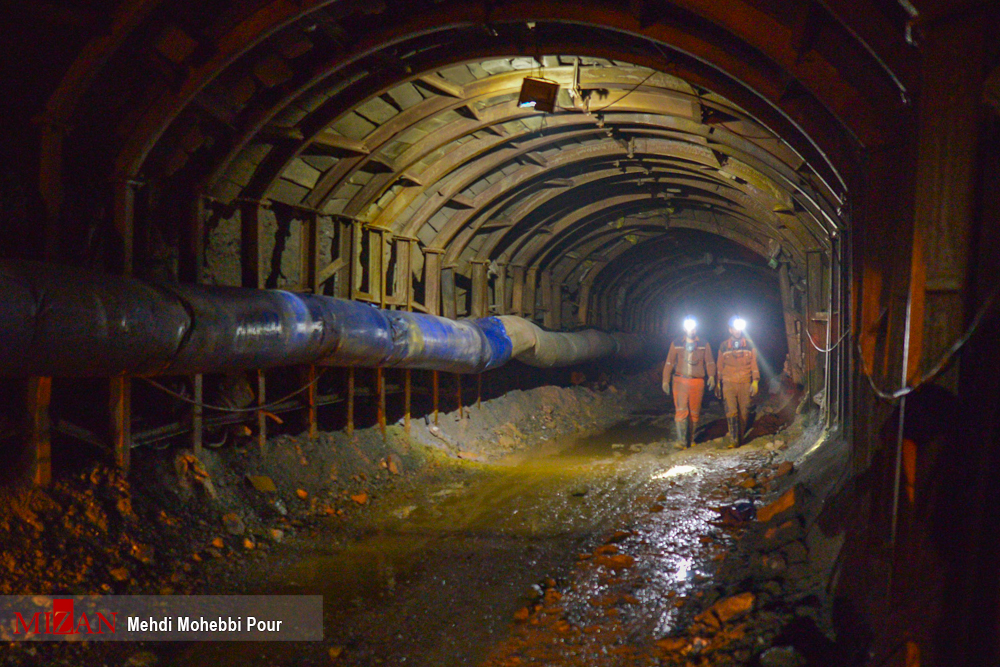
(449, 158)
(739, 119)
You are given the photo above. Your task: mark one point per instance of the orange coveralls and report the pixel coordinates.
(693, 362)
(737, 370)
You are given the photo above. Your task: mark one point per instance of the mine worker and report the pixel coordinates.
(690, 361)
(738, 377)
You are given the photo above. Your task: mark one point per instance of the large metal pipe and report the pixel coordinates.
(68, 322)
(546, 349)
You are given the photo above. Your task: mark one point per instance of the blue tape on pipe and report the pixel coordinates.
(70, 322)
(501, 348)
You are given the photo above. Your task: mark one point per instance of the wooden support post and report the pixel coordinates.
(545, 287)
(311, 394)
(407, 281)
(350, 401)
(261, 416)
(387, 245)
(38, 431)
(791, 330)
(376, 264)
(600, 302)
(380, 391)
(251, 265)
(517, 290)
(449, 307)
(435, 389)
(432, 280)
(120, 407)
(554, 313)
(407, 398)
(458, 394)
(345, 242)
(400, 271)
(357, 268)
(191, 244)
(528, 303)
(814, 305)
(197, 414)
(501, 295)
(479, 302)
(309, 263)
(583, 304)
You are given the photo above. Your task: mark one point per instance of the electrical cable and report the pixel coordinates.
(942, 363)
(829, 349)
(256, 408)
(637, 86)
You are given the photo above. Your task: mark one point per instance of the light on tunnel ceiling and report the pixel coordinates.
(539, 94)
(690, 324)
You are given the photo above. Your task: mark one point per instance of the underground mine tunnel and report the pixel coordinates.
(373, 301)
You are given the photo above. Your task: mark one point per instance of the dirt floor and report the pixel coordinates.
(556, 526)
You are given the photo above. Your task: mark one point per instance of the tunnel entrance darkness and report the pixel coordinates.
(820, 168)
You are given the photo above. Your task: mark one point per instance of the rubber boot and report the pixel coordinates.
(680, 437)
(742, 423)
(734, 432)
(688, 433)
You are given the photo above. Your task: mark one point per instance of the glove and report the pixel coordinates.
(711, 383)
(666, 387)
(753, 388)
(718, 391)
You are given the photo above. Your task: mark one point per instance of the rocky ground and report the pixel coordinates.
(183, 525)
(742, 579)
(625, 552)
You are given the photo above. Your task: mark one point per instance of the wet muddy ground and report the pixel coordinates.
(512, 536)
(586, 551)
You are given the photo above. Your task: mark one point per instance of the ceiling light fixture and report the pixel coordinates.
(538, 94)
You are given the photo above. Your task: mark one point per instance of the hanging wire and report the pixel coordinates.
(220, 408)
(942, 363)
(666, 59)
(829, 349)
(635, 88)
